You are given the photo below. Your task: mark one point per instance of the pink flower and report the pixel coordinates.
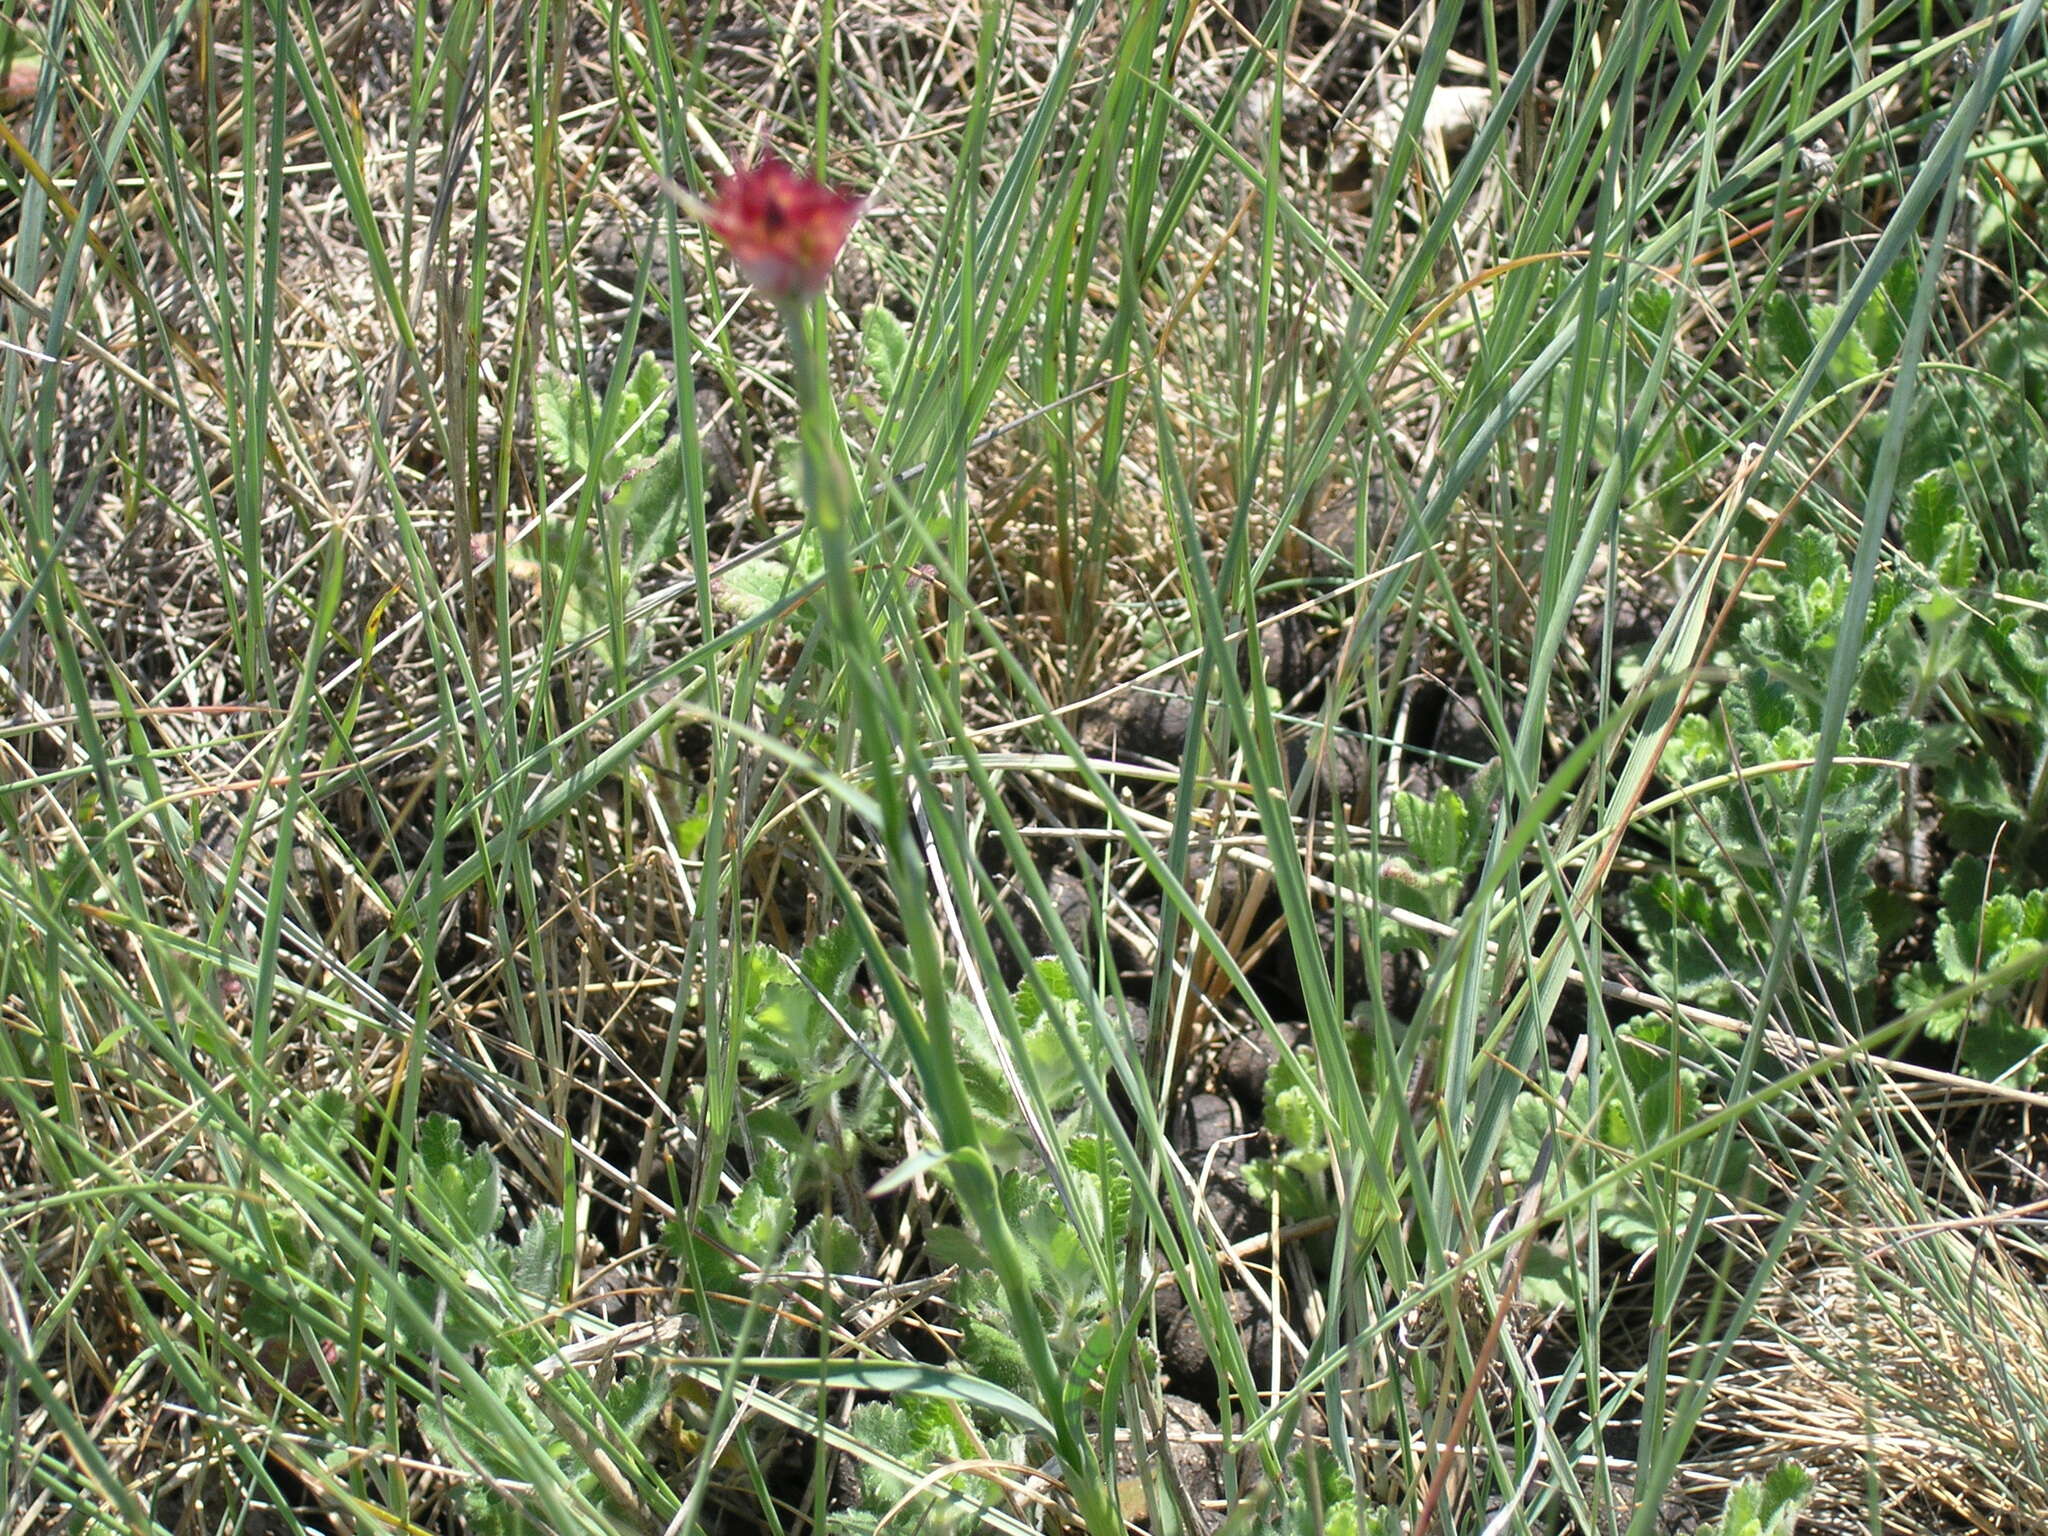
(784, 229)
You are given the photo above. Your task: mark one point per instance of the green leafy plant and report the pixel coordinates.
(1706, 922)
(823, 1053)
(1042, 1012)
(761, 584)
(1951, 688)
(760, 1230)
(819, 1113)
(1985, 925)
(1644, 1098)
(1292, 1179)
(1767, 1508)
(823, 1109)
(627, 1406)
(484, 1293)
(639, 481)
(885, 346)
(907, 1444)
(282, 1264)
(1444, 841)
(456, 1202)
(823, 1112)
(1051, 1220)
(480, 1289)
(470, 1291)
(1321, 1499)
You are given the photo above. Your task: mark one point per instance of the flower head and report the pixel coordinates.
(784, 229)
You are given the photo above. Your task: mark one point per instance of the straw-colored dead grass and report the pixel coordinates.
(1904, 1361)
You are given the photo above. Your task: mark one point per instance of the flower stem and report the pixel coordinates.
(838, 511)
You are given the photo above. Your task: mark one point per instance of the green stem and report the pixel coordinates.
(837, 511)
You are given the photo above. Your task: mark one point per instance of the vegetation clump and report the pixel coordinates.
(1302, 792)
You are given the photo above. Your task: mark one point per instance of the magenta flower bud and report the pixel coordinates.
(784, 230)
